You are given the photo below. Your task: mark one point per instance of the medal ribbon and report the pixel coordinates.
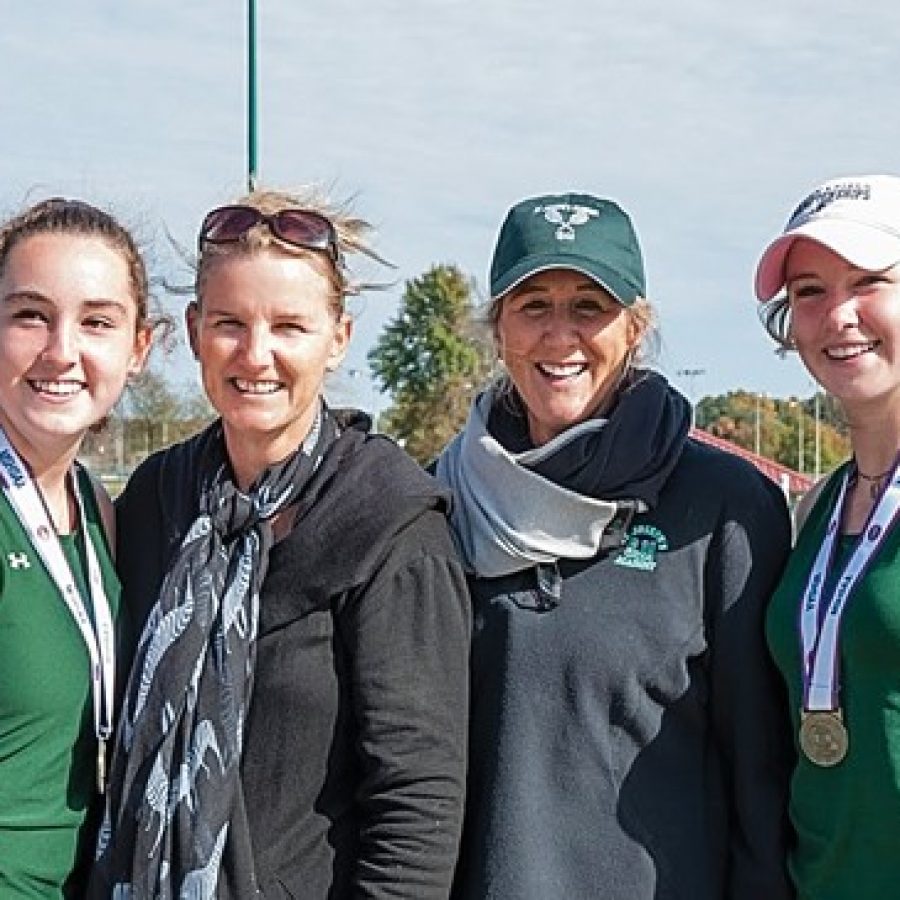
(820, 616)
(98, 636)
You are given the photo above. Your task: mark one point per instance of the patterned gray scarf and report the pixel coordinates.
(175, 796)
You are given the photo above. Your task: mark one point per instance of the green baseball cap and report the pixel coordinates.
(589, 234)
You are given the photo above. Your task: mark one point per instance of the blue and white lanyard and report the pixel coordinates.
(25, 499)
(820, 616)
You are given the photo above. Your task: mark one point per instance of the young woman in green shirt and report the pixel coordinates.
(73, 327)
(834, 622)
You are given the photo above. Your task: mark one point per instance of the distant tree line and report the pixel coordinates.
(782, 429)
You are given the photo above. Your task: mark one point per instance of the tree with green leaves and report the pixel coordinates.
(782, 429)
(431, 360)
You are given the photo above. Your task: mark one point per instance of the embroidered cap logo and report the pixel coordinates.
(566, 216)
(825, 196)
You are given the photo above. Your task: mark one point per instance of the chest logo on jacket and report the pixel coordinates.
(642, 544)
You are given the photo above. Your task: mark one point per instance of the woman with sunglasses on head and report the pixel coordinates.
(73, 327)
(295, 722)
(834, 621)
(627, 734)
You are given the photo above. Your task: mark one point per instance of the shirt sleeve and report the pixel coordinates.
(408, 636)
(749, 703)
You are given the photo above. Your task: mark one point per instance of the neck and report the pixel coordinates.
(875, 448)
(875, 440)
(250, 458)
(252, 452)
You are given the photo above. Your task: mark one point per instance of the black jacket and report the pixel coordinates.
(631, 741)
(354, 755)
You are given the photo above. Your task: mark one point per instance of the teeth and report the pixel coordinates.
(848, 352)
(57, 388)
(562, 371)
(256, 387)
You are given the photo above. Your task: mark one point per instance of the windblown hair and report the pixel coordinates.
(351, 231)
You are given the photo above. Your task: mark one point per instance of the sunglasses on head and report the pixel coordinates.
(298, 227)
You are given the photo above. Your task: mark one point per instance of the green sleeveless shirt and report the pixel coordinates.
(47, 744)
(846, 817)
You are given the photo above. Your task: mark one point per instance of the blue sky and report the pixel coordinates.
(707, 121)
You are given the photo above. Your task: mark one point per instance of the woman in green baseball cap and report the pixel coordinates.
(628, 734)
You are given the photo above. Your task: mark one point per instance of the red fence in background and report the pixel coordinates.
(789, 480)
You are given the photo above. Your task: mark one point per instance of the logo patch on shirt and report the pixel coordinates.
(642, 544)
(18, 560)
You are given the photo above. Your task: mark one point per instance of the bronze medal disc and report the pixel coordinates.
(823, 737)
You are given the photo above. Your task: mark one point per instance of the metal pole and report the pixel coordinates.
(251, 95)
(800, 436)
(756, 441)
(818, 434)
(691, 375)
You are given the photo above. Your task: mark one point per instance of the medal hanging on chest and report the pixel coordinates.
(823, 736)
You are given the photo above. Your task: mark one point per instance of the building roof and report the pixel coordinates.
(791, 481)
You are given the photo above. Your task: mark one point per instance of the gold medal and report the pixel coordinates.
(823, 736)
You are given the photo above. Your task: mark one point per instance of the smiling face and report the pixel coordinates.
(565, 342)
(266, 333)
(845, 323)
(69, 338)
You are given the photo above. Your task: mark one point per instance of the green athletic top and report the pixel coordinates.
(846, 817)
(47, 744)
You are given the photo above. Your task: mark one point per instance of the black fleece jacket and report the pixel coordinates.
(354, 755)
(632, 742)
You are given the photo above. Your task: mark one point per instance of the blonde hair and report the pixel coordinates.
(350, 230)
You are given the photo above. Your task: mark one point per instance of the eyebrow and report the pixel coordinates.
(799, 275)
(27, 296)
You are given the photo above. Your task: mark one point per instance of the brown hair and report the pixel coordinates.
(351, 232)
(75, 217)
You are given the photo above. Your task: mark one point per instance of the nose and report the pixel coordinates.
(560, 329)
(62, 344)
(843, 310)
(258, 347)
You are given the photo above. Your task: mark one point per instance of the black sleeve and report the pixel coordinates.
(408, 635)
(749, 704)
(140, 552)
